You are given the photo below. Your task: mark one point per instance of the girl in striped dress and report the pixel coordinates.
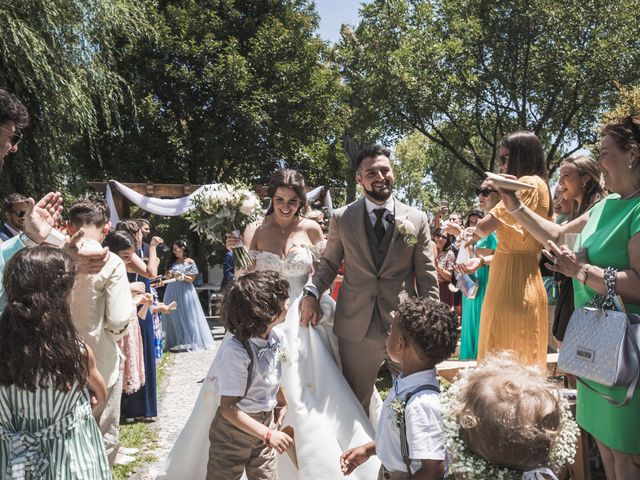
(48, 378)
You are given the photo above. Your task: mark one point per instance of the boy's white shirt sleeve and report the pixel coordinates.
(234, 367)
(424, 431)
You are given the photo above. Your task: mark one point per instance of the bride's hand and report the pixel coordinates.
(233, 241)
(309, 311)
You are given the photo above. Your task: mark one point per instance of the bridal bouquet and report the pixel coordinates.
(224, 208)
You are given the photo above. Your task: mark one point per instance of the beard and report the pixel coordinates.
(379, 196)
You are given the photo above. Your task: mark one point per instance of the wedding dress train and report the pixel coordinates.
(326, 416)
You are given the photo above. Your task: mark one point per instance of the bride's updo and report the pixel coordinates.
(287, 178)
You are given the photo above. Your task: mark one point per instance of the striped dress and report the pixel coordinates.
(49, 434)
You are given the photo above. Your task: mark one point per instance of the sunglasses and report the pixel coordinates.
(15, 137)
(19, 213)
(485, 192)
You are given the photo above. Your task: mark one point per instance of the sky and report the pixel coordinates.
(333, 13)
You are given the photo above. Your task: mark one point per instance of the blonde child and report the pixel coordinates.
(505, 420)
(409, 439)
(244, 433)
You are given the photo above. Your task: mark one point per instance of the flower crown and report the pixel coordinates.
(464, 461)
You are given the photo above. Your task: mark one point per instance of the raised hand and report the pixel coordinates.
(470, 267)
(86, 262)
(40, 217)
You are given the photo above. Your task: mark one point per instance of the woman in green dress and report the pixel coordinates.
(478, 267)
(609, 235)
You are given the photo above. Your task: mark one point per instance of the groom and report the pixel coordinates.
(378, 266)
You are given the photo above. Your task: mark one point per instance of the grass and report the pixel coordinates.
(140, 435)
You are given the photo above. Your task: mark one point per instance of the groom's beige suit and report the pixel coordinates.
(375, 274)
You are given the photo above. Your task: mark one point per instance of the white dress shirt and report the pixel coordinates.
(389, 206)
(233, 363)
(101, 309)
(422, 418)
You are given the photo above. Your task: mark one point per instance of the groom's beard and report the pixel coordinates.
(382, 196)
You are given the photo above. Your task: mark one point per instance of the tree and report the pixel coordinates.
(230, 89)
(58, 57)
(426, 176)
(466, 72)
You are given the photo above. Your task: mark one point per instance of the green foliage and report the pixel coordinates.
(426, 175)
(466, 72)
(58, 57)
(229, 90)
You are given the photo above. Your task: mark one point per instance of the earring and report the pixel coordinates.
(630, 164)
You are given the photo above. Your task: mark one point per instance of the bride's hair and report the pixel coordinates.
(287, 178)
(252, 302)
(505, 400)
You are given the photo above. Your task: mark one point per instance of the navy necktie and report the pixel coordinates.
(378, 228)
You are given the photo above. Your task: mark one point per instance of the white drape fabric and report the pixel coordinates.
(542, 473)
(173, 207)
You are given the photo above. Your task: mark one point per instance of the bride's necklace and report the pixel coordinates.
(630, 195)
(286, 228)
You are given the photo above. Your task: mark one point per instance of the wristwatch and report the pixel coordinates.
(581, 276)
(309, 293)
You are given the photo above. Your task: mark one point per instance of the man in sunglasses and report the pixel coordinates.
(15, 206)
(40, 217)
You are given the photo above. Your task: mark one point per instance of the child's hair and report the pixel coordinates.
(118, 241)
(89, 211)
(38, 342)
(430, 327)
(509, 414)
(252, 302)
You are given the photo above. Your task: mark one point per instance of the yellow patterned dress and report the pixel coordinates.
(514, 313)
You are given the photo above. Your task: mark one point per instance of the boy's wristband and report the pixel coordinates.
(267, 438)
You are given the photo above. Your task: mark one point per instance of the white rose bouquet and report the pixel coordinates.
(222, 208)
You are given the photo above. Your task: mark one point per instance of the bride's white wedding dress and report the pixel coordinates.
(326, 416)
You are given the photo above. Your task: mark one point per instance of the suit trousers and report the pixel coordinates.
(233, 451)
(109, 420)
(361, 361)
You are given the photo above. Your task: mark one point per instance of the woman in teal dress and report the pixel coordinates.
(609, 234)
(478, 268)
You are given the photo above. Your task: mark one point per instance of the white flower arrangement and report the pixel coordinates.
(221, 209)
(465, 462)
(398, 409)
(408, 230)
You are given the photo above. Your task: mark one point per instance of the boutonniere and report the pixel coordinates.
(283, 356)
(408, 231)
(398, 410)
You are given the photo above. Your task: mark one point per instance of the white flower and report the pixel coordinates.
(406, 226)
(249, 204)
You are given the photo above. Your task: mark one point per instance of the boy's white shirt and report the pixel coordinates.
(266, 376)
(423, 420)
(101, 309)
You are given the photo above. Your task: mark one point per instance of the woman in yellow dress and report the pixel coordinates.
(514, 313)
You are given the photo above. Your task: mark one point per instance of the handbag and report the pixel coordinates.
(467, 285)
(601, 344)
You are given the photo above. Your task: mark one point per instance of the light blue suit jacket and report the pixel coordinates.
(7, 250)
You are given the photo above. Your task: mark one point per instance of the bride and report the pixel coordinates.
(326, 416)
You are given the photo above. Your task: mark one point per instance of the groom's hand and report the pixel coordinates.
(309, 311)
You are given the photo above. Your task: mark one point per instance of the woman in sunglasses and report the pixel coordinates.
(514, 314)
(478, 266)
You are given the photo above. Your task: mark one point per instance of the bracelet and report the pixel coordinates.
(267, 437)
(517, 209)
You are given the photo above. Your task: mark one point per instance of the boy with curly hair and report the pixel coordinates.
(409, 440)
(245, 430)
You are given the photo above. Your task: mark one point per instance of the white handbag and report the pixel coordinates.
(601, 344)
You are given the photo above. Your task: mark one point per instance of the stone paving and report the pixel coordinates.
(176, 397)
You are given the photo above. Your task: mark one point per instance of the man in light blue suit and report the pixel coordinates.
(40, 217)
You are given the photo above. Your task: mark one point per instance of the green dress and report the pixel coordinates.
(612, 222)
(472, 307)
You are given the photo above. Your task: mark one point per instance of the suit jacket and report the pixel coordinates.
(367, 289)
(5, 233)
